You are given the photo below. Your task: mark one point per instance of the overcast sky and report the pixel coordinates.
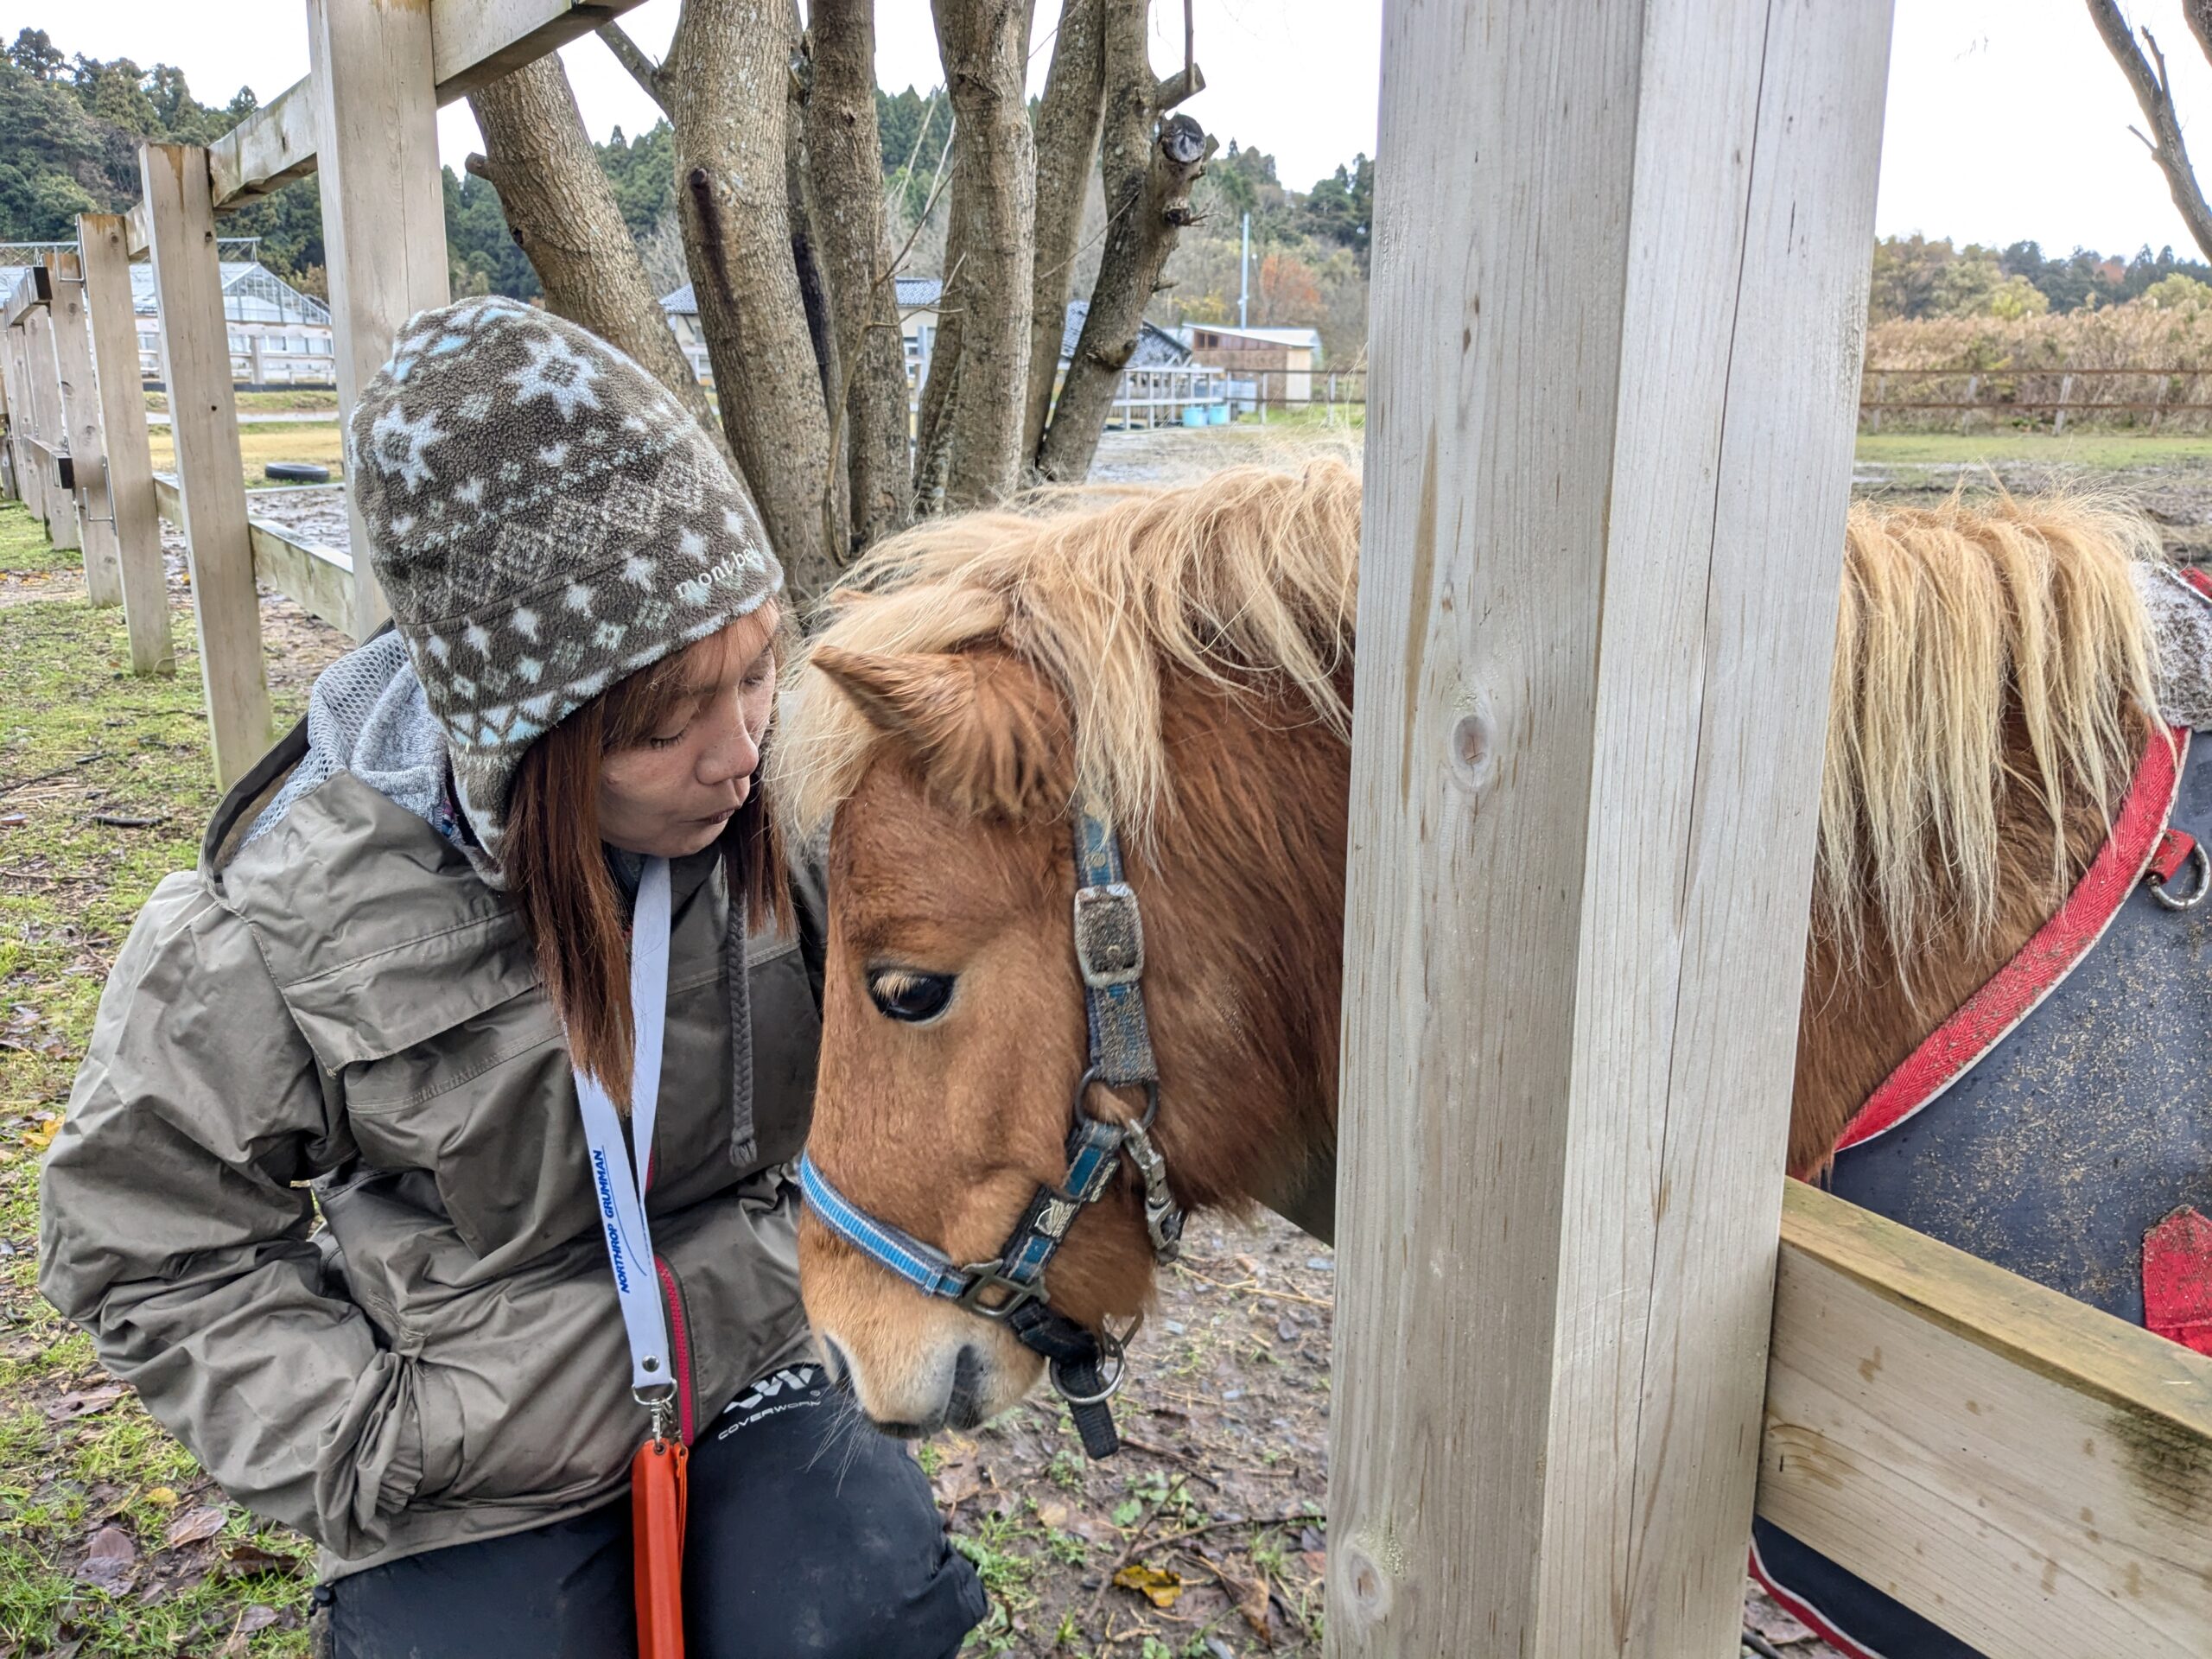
(2006, 120)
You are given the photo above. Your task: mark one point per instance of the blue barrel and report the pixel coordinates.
(1218, 416)
(1193, 415)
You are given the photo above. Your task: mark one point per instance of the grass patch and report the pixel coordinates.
(312, 441)
(79, 734)
(24, 547)
(287, 398)
(2099, 450)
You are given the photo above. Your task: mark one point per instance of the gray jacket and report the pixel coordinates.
(343, 1016)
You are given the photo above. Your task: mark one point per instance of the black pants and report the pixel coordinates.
(809, 1533)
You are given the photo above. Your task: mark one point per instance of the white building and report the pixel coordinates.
(279, 335)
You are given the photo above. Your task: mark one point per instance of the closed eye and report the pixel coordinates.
(903, 995)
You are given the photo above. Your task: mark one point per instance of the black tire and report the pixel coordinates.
(296, 472)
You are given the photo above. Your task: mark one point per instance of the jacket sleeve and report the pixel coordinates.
(174, 1229)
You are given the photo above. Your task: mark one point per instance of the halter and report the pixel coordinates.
(1087, 1366)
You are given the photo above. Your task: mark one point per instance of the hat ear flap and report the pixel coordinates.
(991, 736)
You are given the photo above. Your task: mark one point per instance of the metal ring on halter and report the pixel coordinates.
(2202, 865)
(1083, 1086)
(1112, 1348)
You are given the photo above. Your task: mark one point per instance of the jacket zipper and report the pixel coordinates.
(679, 1342)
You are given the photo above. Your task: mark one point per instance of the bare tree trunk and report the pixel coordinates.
(847, 154)
(800, 204)
(1067, 137)
(561, 210)
(725, 86)
(933, 435)
(1148, 179)
(2154, 92)
(985, 45)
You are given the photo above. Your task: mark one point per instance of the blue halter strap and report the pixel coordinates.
(1010, 1290)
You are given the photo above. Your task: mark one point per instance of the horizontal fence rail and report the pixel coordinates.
(2061, 392)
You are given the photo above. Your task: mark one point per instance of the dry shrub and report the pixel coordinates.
(2027, 360)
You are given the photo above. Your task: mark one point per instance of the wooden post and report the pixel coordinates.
(1620, 283)
(7, 490)
(77, 406)
(204, 418)
(2065, 405)
(19, 418)
(258, 362)
(62, 526)
(383, 201)
(102, 239)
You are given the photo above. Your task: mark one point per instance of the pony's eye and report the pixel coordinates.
(901, 993)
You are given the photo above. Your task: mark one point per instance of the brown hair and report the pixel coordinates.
(557, 868)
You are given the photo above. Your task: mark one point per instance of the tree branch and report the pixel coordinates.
(2199, 16)
(2153, 92)
(1185, 83)
(643, 69)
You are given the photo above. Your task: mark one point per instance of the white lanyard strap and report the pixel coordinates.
(619, 1187)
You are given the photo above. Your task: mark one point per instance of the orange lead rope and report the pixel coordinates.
(659, 1491)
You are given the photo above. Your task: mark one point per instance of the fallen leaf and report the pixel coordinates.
(255, 1617)
(41, 1135)
(1309, 1539)
(1257, 1606)
(1053, 1514)
(246, 1560)
(74, 1405)
(1156, 1585)
(161, 1497)
(196, 1526)
(957, 1479)
(1315, 1562)
(109, 1559)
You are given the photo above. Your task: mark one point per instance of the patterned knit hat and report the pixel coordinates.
(546, 520)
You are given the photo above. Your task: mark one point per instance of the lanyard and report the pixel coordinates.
(619, 1188)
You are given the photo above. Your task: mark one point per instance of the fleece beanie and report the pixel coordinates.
(545, 520)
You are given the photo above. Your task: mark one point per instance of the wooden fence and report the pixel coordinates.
(2159, 394)
(1583, 1329)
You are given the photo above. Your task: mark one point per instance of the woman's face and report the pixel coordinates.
(673, 794)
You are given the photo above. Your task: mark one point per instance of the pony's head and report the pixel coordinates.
(1181, 658)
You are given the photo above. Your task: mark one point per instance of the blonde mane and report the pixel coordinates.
(1950, 617)
(1247, 580)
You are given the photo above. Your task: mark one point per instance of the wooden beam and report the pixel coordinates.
(319, 580)
(2028, 1473)
(266, 151)
(471, 41)
(203, 416)
(1620, 279)
(78, 412)
(475, 42)
(384, 232)
(31, 290)
(103, 241)
(62, 529)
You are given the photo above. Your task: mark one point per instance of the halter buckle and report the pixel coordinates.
(983, 1276)
(1108, 935)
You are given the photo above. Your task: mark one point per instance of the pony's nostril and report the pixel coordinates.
(965, 1407)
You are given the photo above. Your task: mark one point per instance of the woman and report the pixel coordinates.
(389, 992)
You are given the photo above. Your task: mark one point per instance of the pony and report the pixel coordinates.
(1178, 662)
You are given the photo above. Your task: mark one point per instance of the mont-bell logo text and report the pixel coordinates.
(607, 1213)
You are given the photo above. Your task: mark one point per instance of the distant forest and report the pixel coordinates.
(70, 127)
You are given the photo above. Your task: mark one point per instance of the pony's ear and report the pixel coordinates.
(991, 736)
